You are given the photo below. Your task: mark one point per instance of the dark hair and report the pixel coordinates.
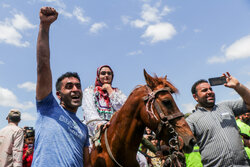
(66, 75)
(15, 119)
(30, 134)
(193, 89)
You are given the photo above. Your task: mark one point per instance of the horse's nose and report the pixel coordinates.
(189, 148)
(192, 142)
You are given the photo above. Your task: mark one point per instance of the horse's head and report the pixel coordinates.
(163, 116)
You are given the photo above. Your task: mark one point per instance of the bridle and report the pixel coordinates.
(173, 142)
(150, 100)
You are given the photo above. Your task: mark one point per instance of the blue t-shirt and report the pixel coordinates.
(60, 136)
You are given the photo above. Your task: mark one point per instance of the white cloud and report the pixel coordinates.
(166, 10)
(238, 50)
(187, 108)
(9, 35)
(61, 8)
(150, 14)
(64, 13)
(78, 12)
(1, 62)
(97, 27)
(29, 86)
(27, 117)
(159, 32)
(137, 52)
(9, 30)
(138, 23)
(9, 99)
(151, 19)
(20, 22)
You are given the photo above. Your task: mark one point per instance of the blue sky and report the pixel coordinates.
(185, 40)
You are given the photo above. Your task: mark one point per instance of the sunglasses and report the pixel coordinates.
(105, 72)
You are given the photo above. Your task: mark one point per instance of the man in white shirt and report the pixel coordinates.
(11, 141)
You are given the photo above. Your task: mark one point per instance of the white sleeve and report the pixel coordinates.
(117, 99)
(89, 109)
(18, 148)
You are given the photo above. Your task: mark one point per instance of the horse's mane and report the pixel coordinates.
(164, 81)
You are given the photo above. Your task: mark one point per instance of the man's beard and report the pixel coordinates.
(206, 104)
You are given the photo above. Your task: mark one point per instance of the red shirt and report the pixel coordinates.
(27, 160)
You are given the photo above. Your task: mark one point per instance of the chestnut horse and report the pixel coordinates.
(151, 105)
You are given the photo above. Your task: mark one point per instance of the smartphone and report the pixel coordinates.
(217, 81)
(30, 146)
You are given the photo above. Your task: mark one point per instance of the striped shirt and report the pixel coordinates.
(217, 134)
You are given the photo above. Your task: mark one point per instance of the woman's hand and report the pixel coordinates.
(108, 88)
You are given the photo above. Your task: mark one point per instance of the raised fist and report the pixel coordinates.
(48, 15)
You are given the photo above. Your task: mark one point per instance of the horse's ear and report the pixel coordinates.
(165, 77)
(149, 80)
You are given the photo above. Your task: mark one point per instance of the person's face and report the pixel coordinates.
(204, 95)
(105, 75)
(29, 140)
(246, 116)
(70, 95)
(154, 142)
(148, 131)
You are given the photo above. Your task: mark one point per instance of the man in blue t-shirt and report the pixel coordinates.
(61, 138)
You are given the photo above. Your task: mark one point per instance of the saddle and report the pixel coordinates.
(96, 139)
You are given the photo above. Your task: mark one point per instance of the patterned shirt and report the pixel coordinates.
(11, 146)
(217, 134)
(117, 99)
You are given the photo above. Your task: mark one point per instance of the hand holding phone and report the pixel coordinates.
(217, 81)
(30, 146)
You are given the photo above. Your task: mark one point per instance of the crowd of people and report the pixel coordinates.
(62, 139)
(16, 144)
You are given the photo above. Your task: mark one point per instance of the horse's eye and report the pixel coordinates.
(167, 103)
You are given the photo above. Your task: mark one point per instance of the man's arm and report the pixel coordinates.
(242, 90)
(44, 77)
(18, 148)
(86, 157)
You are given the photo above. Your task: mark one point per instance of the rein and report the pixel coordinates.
(93, 120)
(108, 148)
